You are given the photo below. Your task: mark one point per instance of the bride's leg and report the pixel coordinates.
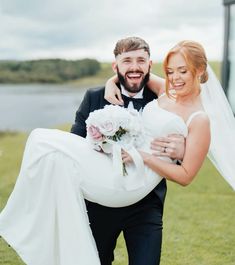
(44, 141)
(98, 179)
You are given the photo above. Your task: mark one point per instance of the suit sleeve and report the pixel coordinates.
(79, 127)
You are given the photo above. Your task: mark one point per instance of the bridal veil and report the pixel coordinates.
(222, 122)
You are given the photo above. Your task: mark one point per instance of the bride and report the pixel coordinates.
(45, 218)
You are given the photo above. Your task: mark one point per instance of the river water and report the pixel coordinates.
(25, 107)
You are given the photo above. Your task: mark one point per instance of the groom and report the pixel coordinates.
(141, 223)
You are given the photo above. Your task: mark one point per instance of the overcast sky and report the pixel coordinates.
(74, 29)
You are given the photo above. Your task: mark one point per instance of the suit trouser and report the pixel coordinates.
(141, 224)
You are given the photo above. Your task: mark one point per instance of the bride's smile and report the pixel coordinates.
(180, 77)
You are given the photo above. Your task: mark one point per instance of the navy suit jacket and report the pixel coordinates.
(94, 100)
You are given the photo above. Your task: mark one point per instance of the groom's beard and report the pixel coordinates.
(135, 88)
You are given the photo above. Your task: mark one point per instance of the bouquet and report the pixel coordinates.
(114, 128)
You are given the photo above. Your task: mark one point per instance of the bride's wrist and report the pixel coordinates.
(145, 156)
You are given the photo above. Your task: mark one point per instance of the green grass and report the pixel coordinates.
(198, 219)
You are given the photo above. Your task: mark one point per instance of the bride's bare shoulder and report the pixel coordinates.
(199, 121)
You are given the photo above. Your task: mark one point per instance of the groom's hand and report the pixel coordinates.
(172, 146)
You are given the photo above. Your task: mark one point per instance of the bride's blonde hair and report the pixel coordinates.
(195, 57)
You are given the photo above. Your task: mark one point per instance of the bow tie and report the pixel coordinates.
(138, 103)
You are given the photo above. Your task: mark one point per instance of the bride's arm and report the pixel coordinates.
(197, 146)
(113, 93)
(156, 84)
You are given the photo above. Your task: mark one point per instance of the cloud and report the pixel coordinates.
(78, 29)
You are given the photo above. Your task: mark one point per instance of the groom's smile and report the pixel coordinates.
(133, 82)
(133, 68)
(134, 77)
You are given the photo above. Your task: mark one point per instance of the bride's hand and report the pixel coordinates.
(126, 158)
(145, 156)
(112, 92)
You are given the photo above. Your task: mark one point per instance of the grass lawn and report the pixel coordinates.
(198, 219)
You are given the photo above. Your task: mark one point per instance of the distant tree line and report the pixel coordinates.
(46, 70)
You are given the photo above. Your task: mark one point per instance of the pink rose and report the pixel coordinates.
(95, 133)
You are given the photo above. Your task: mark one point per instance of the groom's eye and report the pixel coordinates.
(141, 61)
(126, 61)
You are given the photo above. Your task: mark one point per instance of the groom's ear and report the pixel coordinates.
(114, 66)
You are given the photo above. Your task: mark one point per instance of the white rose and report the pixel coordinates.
(109, 127)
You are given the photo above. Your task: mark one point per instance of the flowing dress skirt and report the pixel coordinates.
(45, 219)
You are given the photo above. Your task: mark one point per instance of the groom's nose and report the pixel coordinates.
(134, 65)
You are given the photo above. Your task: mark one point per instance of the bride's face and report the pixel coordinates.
(179, 75)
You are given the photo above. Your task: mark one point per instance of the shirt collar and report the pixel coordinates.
(138, 95)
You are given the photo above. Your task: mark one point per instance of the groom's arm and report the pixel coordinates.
(172, 146)
(79, 127)
(93, 100)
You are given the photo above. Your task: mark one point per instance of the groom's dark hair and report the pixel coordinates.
(130, 44)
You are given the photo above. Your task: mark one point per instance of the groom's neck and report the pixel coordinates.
(130, 94)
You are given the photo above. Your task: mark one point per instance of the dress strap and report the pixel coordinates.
(193, 115)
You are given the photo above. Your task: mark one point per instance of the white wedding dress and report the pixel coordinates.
(45, 219)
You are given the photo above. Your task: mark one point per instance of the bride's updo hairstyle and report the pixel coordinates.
(195, 57)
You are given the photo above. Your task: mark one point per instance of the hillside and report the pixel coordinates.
(81, 73)
(46, 71)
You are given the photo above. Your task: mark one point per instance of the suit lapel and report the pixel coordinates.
(148, 95)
